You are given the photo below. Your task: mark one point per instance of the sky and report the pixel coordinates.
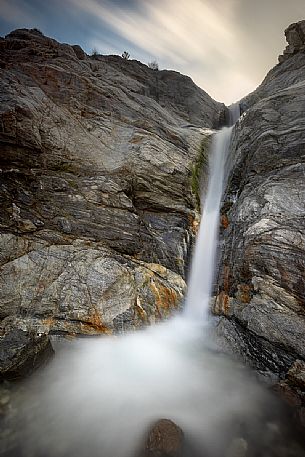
(225, 46)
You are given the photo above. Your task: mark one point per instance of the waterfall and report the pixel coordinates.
(99, 396)
(203, 264)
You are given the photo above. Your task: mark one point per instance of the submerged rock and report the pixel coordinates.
(165, 439)
(237, 448)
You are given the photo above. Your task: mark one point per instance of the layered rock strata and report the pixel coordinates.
(261, 285)
(97, 208)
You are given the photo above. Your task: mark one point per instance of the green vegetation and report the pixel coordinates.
(200, 163)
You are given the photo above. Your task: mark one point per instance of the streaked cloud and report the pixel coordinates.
(226, 46)
(16, 13)
(195, 37)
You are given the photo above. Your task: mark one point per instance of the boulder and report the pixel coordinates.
(164, 439)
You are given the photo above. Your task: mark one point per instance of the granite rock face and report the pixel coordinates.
(261, 285)
(97, 210)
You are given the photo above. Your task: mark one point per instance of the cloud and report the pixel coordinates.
(17, 13)
(191, 36)
(168, 28)
(226, 46)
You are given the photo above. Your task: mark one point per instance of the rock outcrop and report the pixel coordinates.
(261, 286)
(295, 36)
(97, 209)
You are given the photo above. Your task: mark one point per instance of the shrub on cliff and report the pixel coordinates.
(125, 55)
(153, 65)
(94, 53)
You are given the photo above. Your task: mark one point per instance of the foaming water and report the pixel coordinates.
(99, 396)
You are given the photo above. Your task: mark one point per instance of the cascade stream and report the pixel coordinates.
(203, 263)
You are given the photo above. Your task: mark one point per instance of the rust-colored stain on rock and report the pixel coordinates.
(224, 221)
(226, 280)
(95, 322)
(165, 298)
(222, 304)
(244, 293)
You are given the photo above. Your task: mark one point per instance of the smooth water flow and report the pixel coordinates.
(203, 265)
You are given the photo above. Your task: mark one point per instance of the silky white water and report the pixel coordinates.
(202, 271)
(98, 396)
(203, 262)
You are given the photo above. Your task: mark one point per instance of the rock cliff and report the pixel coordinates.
(97, 205)
(261, 283)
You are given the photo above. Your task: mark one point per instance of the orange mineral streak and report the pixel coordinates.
(95, 324)
(224, 221)
(226, 280)
(89, 325)
(244, 293)
(222, 304)
(140, 310)
(49, 322)
(165, 298)
(194, 224)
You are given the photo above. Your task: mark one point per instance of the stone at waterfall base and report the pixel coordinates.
(164, 439)
(22, 350)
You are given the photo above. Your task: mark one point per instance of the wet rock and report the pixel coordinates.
(296, 375)
(288, 394)
(21, 349)
(237, 448)
(165, 439)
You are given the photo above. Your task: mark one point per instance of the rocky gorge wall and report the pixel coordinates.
(98, 210)
(261, 285)
(99, 165)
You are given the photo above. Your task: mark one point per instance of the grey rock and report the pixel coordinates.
(261, 281)
(84, 287)
(295, 36)
(100, 150)
(22, 349)
(97, 207)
